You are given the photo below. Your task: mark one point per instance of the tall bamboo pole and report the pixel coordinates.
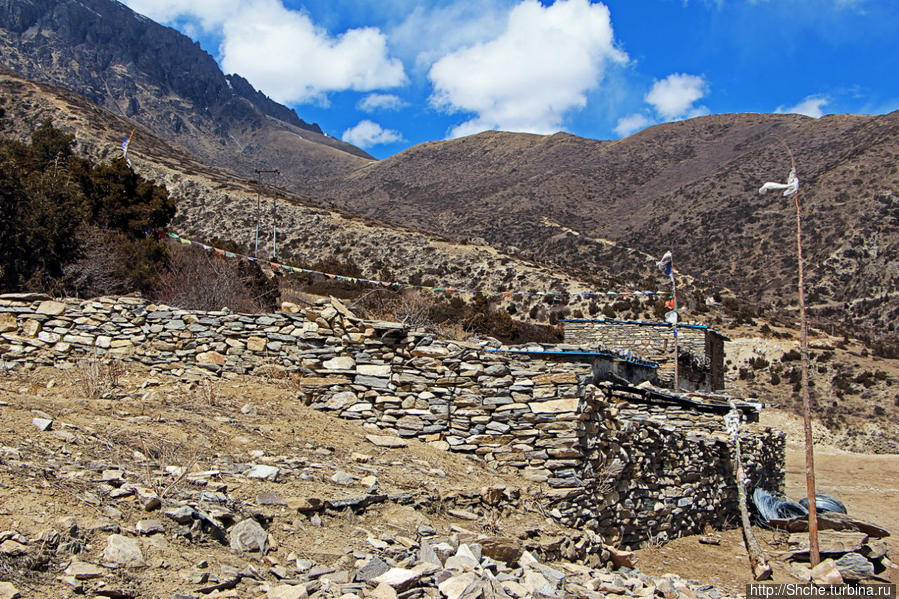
(814, 554)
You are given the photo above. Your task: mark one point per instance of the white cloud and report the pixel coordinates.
(537, 69)
(811, 106)
(282, 52)
(210, 14)
(367, 133)
(676, 95)
(632, 123)
(373, 102)
(431, 32)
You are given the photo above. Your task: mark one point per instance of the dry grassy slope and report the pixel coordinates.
(214, 203)
(149, 424)
(164, 81)
(854, 396)
(688, 186)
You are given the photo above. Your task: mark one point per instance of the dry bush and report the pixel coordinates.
(94, 377)
(454, 318)
(200, 280)
(98, 269)
(166, 452)
(153, 454)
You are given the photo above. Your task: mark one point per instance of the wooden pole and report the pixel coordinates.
(676, 318)
(814, 554)
(760, 568)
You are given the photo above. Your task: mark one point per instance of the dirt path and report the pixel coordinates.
(867, 484)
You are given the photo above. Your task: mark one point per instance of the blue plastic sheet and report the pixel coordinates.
(825, 503)
(771, 507)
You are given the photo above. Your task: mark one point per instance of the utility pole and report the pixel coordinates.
(274, 228)
(258, 207)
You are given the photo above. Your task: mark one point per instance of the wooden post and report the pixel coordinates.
(760, 568)
(814, 554)
(676, 319)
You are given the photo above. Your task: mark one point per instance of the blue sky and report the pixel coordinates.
(389, 74)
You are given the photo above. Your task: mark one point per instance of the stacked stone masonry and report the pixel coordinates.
(655, 341)
(629, 470)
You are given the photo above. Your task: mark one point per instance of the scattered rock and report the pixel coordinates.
(270, 498)
(854, 566)
(181, 515)
(373, 567)
(148, 498)
(383, 591)
(360, 458)
(84, 571)
(501, 549)
(123, 551)
(248, 535)
(264, 472)
(427, 555)
(43, 424)
(398, 578)
(342, 478)
(826, 573)
(386, 441)
(462, 585)
(150, 527)
(12, 548)
(621, 558)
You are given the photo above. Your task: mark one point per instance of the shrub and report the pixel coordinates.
(791, 356)
(198, 280)
(54, 205)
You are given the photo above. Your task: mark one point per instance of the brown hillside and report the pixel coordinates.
(689, 186)
(855, 393)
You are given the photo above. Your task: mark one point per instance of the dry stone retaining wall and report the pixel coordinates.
(606, 461)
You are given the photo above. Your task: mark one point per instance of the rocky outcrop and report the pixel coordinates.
(163, 80)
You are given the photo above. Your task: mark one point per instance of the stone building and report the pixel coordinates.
(605, 454)
(701, 348)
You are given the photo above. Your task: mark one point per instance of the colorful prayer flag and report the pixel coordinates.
(125, 148)
(666, 264)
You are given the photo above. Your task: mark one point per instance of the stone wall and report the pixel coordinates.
(654, 341)
(604, 459)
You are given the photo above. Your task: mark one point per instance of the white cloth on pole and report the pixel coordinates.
(789, 188)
